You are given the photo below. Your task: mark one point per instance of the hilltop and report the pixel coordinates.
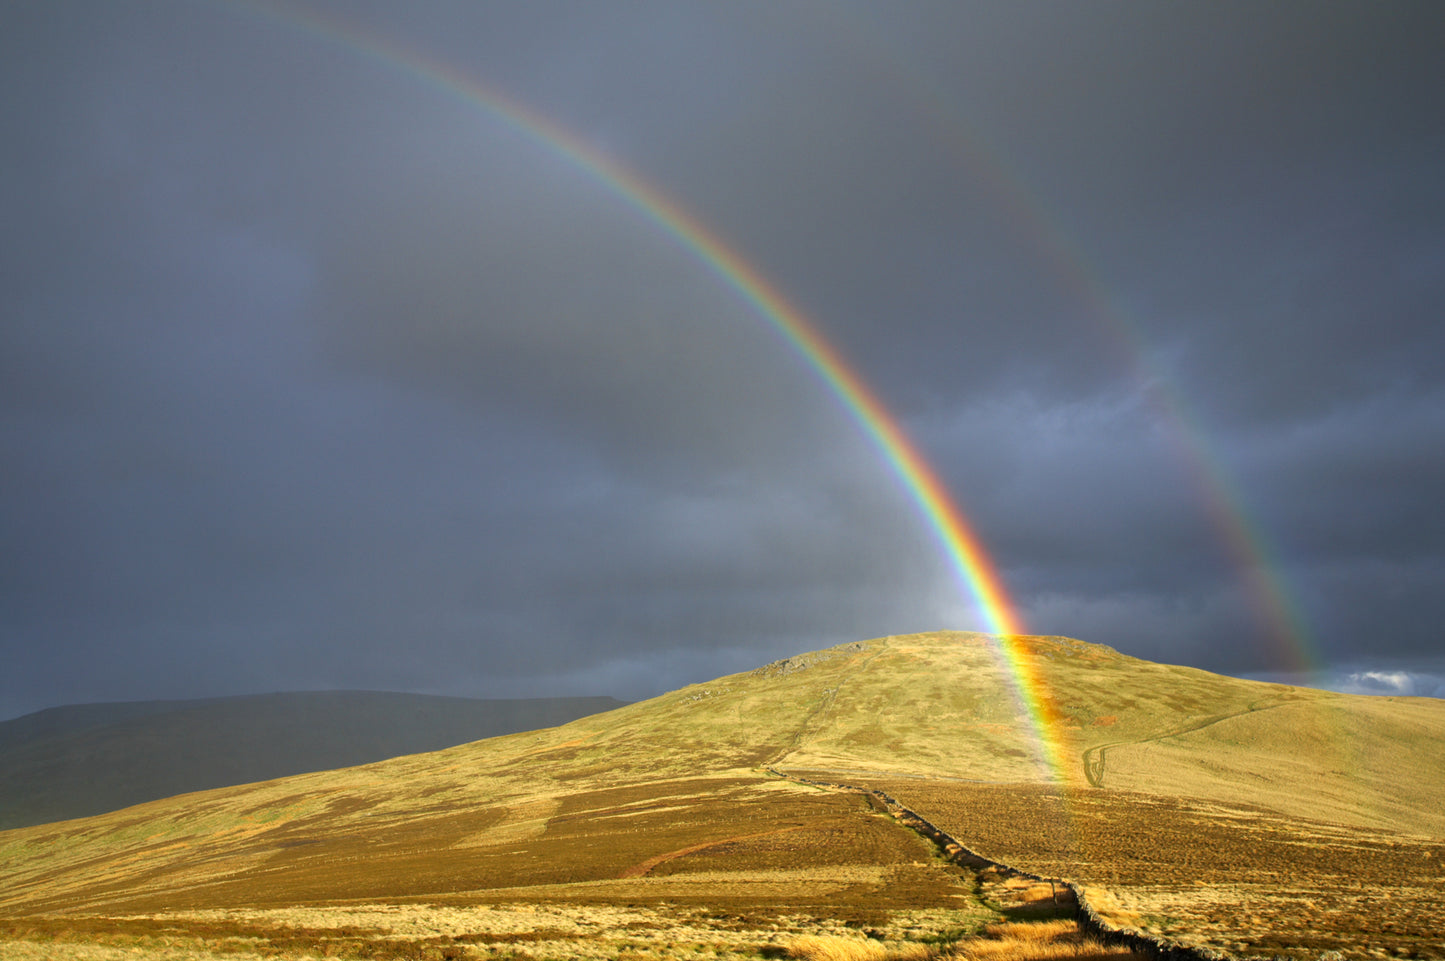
(668, 809)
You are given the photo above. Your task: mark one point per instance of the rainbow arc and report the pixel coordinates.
(972, 565)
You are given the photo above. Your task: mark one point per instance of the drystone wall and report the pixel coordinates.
(1090, 922)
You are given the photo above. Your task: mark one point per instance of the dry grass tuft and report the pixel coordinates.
(1032, 931)
(1057, 940)
(1046, 892)
(1031, 949)
(1107, 906)
(820, 947)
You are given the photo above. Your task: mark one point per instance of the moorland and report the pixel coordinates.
(1210, 812)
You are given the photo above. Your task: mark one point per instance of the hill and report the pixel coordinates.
(85, 759)
(1244, 816)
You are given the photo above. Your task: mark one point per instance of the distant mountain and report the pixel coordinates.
(85, 759)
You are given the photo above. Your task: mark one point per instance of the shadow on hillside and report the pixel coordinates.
(1041, 902)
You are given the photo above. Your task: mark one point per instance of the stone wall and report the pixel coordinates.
(1090, 922)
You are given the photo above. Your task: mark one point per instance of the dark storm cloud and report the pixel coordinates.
(1254, 191)
(314, 375)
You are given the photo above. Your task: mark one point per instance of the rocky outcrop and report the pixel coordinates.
(791, 665)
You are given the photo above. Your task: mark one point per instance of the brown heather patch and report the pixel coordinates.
(705, 867)
(1236, 878)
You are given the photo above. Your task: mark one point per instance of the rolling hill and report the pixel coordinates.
(85, 759)
(1238, 815)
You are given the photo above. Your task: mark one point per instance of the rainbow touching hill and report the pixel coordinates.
(671, 815)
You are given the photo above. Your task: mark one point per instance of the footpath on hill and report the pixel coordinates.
(1095, 757)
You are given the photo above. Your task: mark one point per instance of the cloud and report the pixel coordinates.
(1379, 682)
(1424, 679)
(1407, 683)
(313, 373)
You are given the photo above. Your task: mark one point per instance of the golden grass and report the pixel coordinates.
(667, 801)
(50, 951)
(557, 925)
(576, 934)
(1032, 931)
(1037, 893)
(1109, 909)
(1055, 940)
(815, 947)
(1031, 949)
(1368, 762)
(1231, 877)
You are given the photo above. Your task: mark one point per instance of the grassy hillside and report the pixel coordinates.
(87, 759)
(666, 807)
(943, 705)
(1370, 762)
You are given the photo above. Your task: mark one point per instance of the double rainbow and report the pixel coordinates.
(961, 545)
(1244, 539)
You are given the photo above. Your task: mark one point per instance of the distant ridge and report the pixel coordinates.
(86, 759)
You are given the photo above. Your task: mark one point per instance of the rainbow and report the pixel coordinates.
(1244, 540)
(961, 545)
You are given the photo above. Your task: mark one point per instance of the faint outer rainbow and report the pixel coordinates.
(1259, 570)
(1246, 542)
(965, 551)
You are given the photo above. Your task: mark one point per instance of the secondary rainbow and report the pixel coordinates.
(1261, 575)
(960, 543)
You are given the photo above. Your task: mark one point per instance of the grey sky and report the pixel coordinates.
(312, 375)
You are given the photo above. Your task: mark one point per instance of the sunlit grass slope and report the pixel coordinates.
(1373, 762)
(669, 798)
(942, 705)
(661, 799)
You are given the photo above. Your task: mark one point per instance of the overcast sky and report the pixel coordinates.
(313, 375)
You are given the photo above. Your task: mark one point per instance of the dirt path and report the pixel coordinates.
(897, 775)
(638, 870)
(1095, 757)
(824, 703)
